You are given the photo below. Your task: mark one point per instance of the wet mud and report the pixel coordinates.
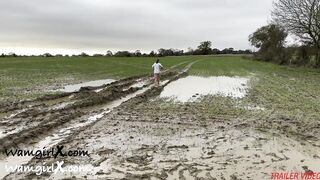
(143, 136)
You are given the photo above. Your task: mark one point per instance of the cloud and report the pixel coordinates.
(99, 25)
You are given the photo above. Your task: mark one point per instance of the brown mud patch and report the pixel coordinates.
(26, 124)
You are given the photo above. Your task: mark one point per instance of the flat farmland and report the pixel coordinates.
(221, 117)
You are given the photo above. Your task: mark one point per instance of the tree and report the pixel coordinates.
(177, 52)
(247, 51)
(152, 54)
(83, 54)
(138, 53)
(303, 56)
(109, 53)
(123, 54)
(302, 18)
(215, 51)
(270, 40)
(12, 54)
(227, 51)
(161, 52)
(205, 47)
(165, 52)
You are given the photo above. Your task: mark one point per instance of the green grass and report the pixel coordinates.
(237, 66)
(288, 93)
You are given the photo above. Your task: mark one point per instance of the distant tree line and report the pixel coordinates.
(300, 18)
(205, 48)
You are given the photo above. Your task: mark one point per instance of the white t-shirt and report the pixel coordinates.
(156, 67)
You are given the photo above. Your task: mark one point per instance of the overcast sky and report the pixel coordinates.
(72, 26)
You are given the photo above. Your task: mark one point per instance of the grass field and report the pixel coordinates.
(294, 91)
(279, 87)
(288, 93)
(274, 127)
(31, 77)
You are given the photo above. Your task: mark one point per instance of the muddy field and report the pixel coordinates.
(134, 130)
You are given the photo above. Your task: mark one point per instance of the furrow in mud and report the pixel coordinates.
(41, 120)
(13, 106)
(90, 100)
(43, 104)
(83, 98)
(46, 121)
(41, 101)
(146, 138)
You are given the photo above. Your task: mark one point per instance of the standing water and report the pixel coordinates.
(191, 87)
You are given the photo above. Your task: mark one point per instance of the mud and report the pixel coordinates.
(133, 133)
(77, 87)
(31, 124)
(40, 116)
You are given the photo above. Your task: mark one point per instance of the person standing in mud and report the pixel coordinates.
(156, 70)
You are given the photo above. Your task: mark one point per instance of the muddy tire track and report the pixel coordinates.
(144, 138)
(45, 120)
(38, 120)
(13, 106)
(88, 101)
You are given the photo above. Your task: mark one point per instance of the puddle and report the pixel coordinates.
(138, 84)
(76, 87)
(193, 87)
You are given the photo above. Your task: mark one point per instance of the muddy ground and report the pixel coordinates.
(132, 133)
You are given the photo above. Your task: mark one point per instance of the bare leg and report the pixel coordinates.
(158, 79)
(155, 79)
